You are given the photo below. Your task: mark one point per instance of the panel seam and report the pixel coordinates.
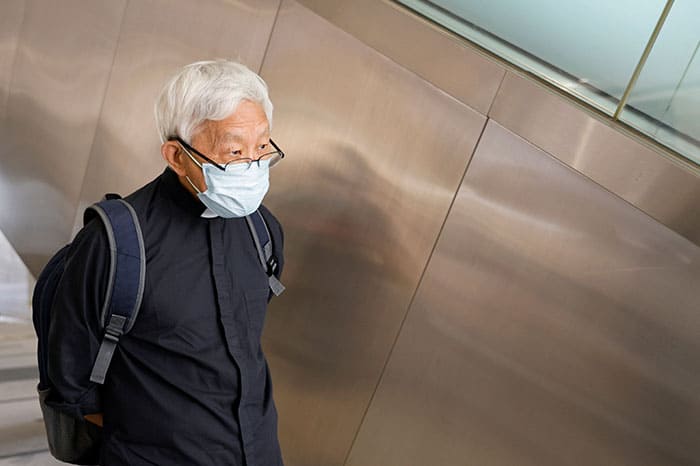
(100, 114)
(13, 71)
(415, 293)
(269, 39)
(495, 95)
(383, 54)
(665, 223)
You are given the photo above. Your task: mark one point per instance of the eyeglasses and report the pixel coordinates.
(274, 157)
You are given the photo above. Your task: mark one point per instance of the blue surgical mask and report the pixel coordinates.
(236, 192)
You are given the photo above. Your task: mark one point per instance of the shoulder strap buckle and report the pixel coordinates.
(114, 330)
(263, 244)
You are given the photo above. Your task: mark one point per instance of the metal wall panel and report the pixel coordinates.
(11, 16)
(664, 187)
(158, 37)
(660, 184)
(555, 325)
(437, 56)
(375, 155)
(58, 82)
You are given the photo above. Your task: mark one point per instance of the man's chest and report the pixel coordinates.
(200, 277)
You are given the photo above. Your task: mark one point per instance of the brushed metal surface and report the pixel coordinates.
(665, 188)
(11, 16)
(158, 37)
(57, 87)
(555, 325)
(437, 56)
(375, 155)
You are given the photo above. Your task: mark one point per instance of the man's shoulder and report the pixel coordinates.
(270, 218)
(268, 215)
(143, 196)
(273, 224)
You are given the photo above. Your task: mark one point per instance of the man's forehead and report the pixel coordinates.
(233, 133)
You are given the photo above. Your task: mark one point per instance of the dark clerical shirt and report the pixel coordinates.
(189, 384)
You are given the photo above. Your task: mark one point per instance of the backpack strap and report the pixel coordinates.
(126, 277)
(263, 243)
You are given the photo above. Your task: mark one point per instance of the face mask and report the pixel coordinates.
(236, 192)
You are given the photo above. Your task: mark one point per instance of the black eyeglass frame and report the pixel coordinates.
(223, 167)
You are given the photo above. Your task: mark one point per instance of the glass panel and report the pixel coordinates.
(665, 102)
(588, 47)
(16, 285)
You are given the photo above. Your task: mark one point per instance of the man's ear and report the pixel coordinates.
(173, 155)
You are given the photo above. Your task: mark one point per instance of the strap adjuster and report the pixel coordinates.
(112, 336)
(115, 327)
(272, 266)
(114, 330)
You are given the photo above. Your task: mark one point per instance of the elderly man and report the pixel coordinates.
(189, 384)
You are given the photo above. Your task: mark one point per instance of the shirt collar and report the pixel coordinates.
(208, 213)
(180, 195)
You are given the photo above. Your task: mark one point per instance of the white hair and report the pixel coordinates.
(206, 90)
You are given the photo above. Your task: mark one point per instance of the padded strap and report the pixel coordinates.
(263, 244)
(126, 277)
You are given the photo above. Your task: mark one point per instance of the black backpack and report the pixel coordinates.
(76, 440)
